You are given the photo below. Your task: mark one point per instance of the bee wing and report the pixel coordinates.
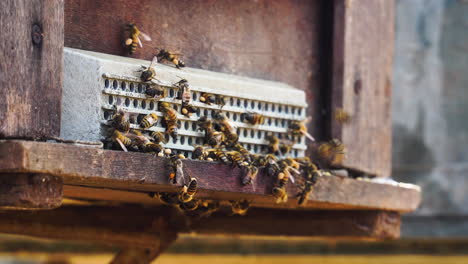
(145, 36)
(139, 42)
(153, 61)
(122, 145)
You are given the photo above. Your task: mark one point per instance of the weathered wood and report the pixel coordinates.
(143, 172)
(31, 68)
(30, 191)
(362, 82)
(274, 40)
(122, 226)
(319, 224)
(143, 228)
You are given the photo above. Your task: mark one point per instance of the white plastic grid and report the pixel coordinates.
(128, 93)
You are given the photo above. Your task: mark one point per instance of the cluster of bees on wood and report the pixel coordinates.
(220, 142)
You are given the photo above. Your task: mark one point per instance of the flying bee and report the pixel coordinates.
(156, 92)
(207, 98)
(342, 116)
(273, 144)
(334, 151)
(171, 57)
(199, 153)
(187, 110)
(240, 207)
(121, 121)
(123, 139)
(169, 198)
(248, 178)
(148, 73)
(298, 128)
(177, 174)
(253, 118)
(149, 120)
(188, 191)
(158, 137)
(227, 128)
(134, 39)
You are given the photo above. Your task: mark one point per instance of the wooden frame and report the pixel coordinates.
(292, 45)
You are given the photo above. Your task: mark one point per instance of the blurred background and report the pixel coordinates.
(430, 149)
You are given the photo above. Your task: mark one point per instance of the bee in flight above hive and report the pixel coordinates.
(341, 116)
(165, 55)
(133, 40)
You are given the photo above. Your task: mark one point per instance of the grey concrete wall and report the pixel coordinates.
(430, 112)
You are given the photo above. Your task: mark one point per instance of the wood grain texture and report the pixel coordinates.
(31, 68)
(275, 40)
(361, 84)
(145, 173)
(30, 191)
(141, 227)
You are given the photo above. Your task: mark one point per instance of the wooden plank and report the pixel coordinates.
(141, 227)
(362, 82)
(31, 68)
(30, 191)
(143, 172)
(274, 40)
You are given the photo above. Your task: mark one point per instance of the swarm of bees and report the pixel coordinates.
(220, 141)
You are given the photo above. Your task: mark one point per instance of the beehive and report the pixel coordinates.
(95, 83)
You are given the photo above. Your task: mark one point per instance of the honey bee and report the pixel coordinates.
(219, 100)
(207, 98)
(187, 110)
(212, 137)
(279, 191)
(185, 95)
(145, 144)
(248, 178)
(236, 158)
(122, 139)
(158, 137)
(171, 57)
(169, 198)
(170, 118)
(156, 92)
(285, 148)
(240, 207)
(298, 128)
(342, 116)
(134, 39)
(271, 165)
(177, 174)
(149, 120)
(253, 118)
(121, 121)
(311, 179)
(206, 208)
(228, 130)
(148, 74)
(273, 144)
(188, 191)
(199, 153)
(334, 151)
(190, 206)
(220, 155)
(244, 152)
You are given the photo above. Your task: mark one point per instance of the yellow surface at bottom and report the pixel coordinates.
(259, 259)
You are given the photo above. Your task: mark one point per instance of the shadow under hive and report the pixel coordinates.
(109, 81)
